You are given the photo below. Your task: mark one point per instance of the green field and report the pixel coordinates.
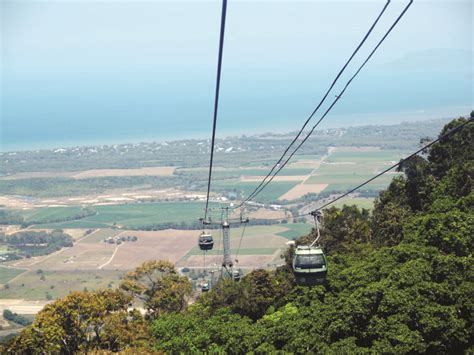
(295, 230)
(345, 170)
(242, 251)
(51, 213)
(270, 194)
(364, 157)
(58, 284)
(256, 231)
(284, 172)
(4, 249)
(134, 215)
(101, 234)
(352, 179)
(6, 274)
(361, 202)
(81, 224)
(256, 172)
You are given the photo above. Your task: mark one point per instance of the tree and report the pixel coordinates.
(453, 150)
(390, 211)
(159, 286)
(341, 229)
(196, 331)
(80, 322)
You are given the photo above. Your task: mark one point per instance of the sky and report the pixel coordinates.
(76, 71)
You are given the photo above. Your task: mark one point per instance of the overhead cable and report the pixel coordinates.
(263, 184)
(216, 100)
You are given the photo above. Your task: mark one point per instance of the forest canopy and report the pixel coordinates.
(400, 280)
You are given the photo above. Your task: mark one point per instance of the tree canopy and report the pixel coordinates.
(400, 280)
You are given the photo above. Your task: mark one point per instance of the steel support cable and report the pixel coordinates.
(338, 97)
(444, 136)
(218, 251)
(452, 131)
(216, 99)
(240, 242)
(321, 102)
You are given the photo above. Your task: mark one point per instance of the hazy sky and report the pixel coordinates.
(65, 62)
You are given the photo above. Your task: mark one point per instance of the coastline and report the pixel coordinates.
(332, 122)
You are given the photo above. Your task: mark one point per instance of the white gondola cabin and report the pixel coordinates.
(309, 266)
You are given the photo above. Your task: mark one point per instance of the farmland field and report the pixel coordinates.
(99, 235)
(263, 172)
(92, 264)
(6, 274)
(259, 246)
(51, 213)
(242, 251)
(341, 155)
(344, 179)
(3, 249)
(296, 230)
(361, 202)
(271, 193)
(58, 283)
(344, 169)
(132, 215)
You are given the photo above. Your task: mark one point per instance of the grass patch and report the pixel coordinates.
(284, 172)
(242, 251)
(295, 230)
(379, 155)
(270, 194)
(257, 231)
(345, 179)
(58, 284)
(339, 188)
(6, 274)
(52, 213)
(82, 224)
(4, 249)
(344, 170)
(135, 215)
(361, 202)
(101, 234)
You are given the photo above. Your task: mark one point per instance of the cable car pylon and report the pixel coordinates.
(227, 263)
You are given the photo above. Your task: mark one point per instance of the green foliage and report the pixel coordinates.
(158, 286)
(399, 281)
(450, 232)
(81, 322)
(390, 212)
(6, 274)
(250, 297)
(10, 217)
(343, 230)
(58, 214)
(455, 150)
(32, 243)
(16, 318)
(193, 332)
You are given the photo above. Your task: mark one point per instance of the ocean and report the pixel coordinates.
(47, 112)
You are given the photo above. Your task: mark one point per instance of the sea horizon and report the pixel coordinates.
(331, 122)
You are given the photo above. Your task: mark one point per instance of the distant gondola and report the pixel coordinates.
(236, 275)
(206, 242)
